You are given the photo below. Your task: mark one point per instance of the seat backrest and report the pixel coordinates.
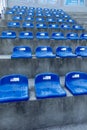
(46, 77)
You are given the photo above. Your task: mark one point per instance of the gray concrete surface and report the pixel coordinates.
(67, 127)
(31, 67)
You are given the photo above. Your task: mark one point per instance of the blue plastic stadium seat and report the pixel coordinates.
(42, 35)
(65, 52)
(8, 35)
(22, 10)
(58, 36)
(13, 24)
(16, 7)
(72, 36)
(13, 88)
(10, 12)
(39, 14)
(31, 14)
(83, 36)
(27, 25)
(26, 35)
(24, 7)
(76, 82)
(60, 10)
(45, 9)
(57, 15)
(65, 27)
(44, 52)
(48, 14)
(60, 20)
(81, 51)
(53, 26)
(31, 8)
(51, 20)
(66, 16)
(21, 52)
(28, 18)
(19, 18)
(41, 25)
(39, 9)
(71, 21)
(54, 12)
(77, 27)
(20, 13)
(39, 19)
(47, 85)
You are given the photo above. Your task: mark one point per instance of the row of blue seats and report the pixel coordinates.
(46, 52)
(15, 87)
(40, 19)
(35, 10)
(47, 15)
(43, 35)
(37, 13)
(44, 26)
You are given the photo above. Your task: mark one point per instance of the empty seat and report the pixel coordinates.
(65, 52)
(39, 9)
(41, 26)
(58, 36)
(39, 14)
(60, 20)
(31, 14)
(17, 18)
(76, 83)
(42, 35)
(24, 7)
(66, 16)
(72, 36)
(44, 52)
(47, 85)
(81, 51)
(71, 21)
(51, 20)
(13, 24)
(21, 52)
(53, 26)
(31, 8)
(83, 36)
(16, 7)
(26, 35)
(39, 19)
(13, 88)
(10, 12)
(20, 13)
(8, 35)
(77, 27)
(65, 27)
(28, 18)
(27, 25)
(57, 15)
(48, 14)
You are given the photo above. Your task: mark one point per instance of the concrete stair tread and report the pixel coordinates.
(68, 127)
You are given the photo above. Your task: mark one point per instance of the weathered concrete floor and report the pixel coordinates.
(68, 127)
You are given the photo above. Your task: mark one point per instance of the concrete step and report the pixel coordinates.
(34, 66)
(67, 127)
